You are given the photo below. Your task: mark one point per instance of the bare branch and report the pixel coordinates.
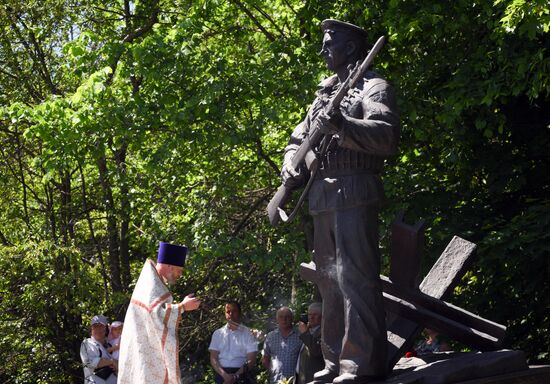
(290, 6)
(39, 53)
(108, 10)
(148, 26)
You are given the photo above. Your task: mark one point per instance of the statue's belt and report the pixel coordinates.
(339, 172)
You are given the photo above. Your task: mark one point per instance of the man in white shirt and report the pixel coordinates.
(233, 349)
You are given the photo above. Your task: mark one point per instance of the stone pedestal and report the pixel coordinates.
(502, 367)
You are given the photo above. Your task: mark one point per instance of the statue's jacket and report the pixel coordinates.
(349, 174)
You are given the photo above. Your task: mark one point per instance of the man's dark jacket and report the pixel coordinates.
(311, 356)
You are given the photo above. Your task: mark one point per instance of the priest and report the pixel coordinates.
(149, 341)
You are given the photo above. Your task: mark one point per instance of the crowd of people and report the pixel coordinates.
(289, 352)
(144, 349)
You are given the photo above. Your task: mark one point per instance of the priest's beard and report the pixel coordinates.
(170, 279)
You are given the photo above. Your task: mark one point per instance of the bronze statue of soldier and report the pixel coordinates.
(344, 200)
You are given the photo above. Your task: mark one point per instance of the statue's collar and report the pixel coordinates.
(327, 84)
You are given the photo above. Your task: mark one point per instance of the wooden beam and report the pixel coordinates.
(430, 319)
(439, 283)
(443, 308)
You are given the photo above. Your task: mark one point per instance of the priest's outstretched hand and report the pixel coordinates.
(190, 302)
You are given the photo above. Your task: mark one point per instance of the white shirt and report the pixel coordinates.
(233, 345)
(91, 351)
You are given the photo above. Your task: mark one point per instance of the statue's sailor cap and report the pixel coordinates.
(172, 254)
(342, 26)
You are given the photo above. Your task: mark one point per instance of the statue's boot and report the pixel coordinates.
(349, 378)
(323, 377)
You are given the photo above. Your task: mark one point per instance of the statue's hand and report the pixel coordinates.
(329, 125)
(290, 176)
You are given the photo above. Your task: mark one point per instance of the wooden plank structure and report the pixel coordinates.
(411, 307)
(439, 284)
(417, 309)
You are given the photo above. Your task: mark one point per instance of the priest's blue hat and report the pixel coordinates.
(172, 254)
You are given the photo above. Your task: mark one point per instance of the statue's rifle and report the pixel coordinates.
(305, 153)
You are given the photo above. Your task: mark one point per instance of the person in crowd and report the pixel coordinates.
(433, 342)
(281, 348)
(99, 365)
(113, 338)
(310, 359)
(233, 349)
(149, 351)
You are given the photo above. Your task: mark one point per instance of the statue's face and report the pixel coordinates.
(335, 50)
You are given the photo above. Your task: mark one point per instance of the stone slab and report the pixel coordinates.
(534, 375)
(445, 325)
(457, 367)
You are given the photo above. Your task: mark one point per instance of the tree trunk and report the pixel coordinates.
(66, 219)
(99, 251)
(125, 217)
(112, 230)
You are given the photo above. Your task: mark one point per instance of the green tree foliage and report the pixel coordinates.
(124, 123)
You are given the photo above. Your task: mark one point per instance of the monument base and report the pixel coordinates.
(502, 367)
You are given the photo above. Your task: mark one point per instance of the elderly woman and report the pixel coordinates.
(99, 365)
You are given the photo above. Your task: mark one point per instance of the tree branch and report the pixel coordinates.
(107, 10)
(39, 52)
(4, 240)
(92, 233)
(254, 20)
(264, 156)
(270, 19)
(290, 6)
(243, 222)
(16, 174)
(153, 19)
(130, 37)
